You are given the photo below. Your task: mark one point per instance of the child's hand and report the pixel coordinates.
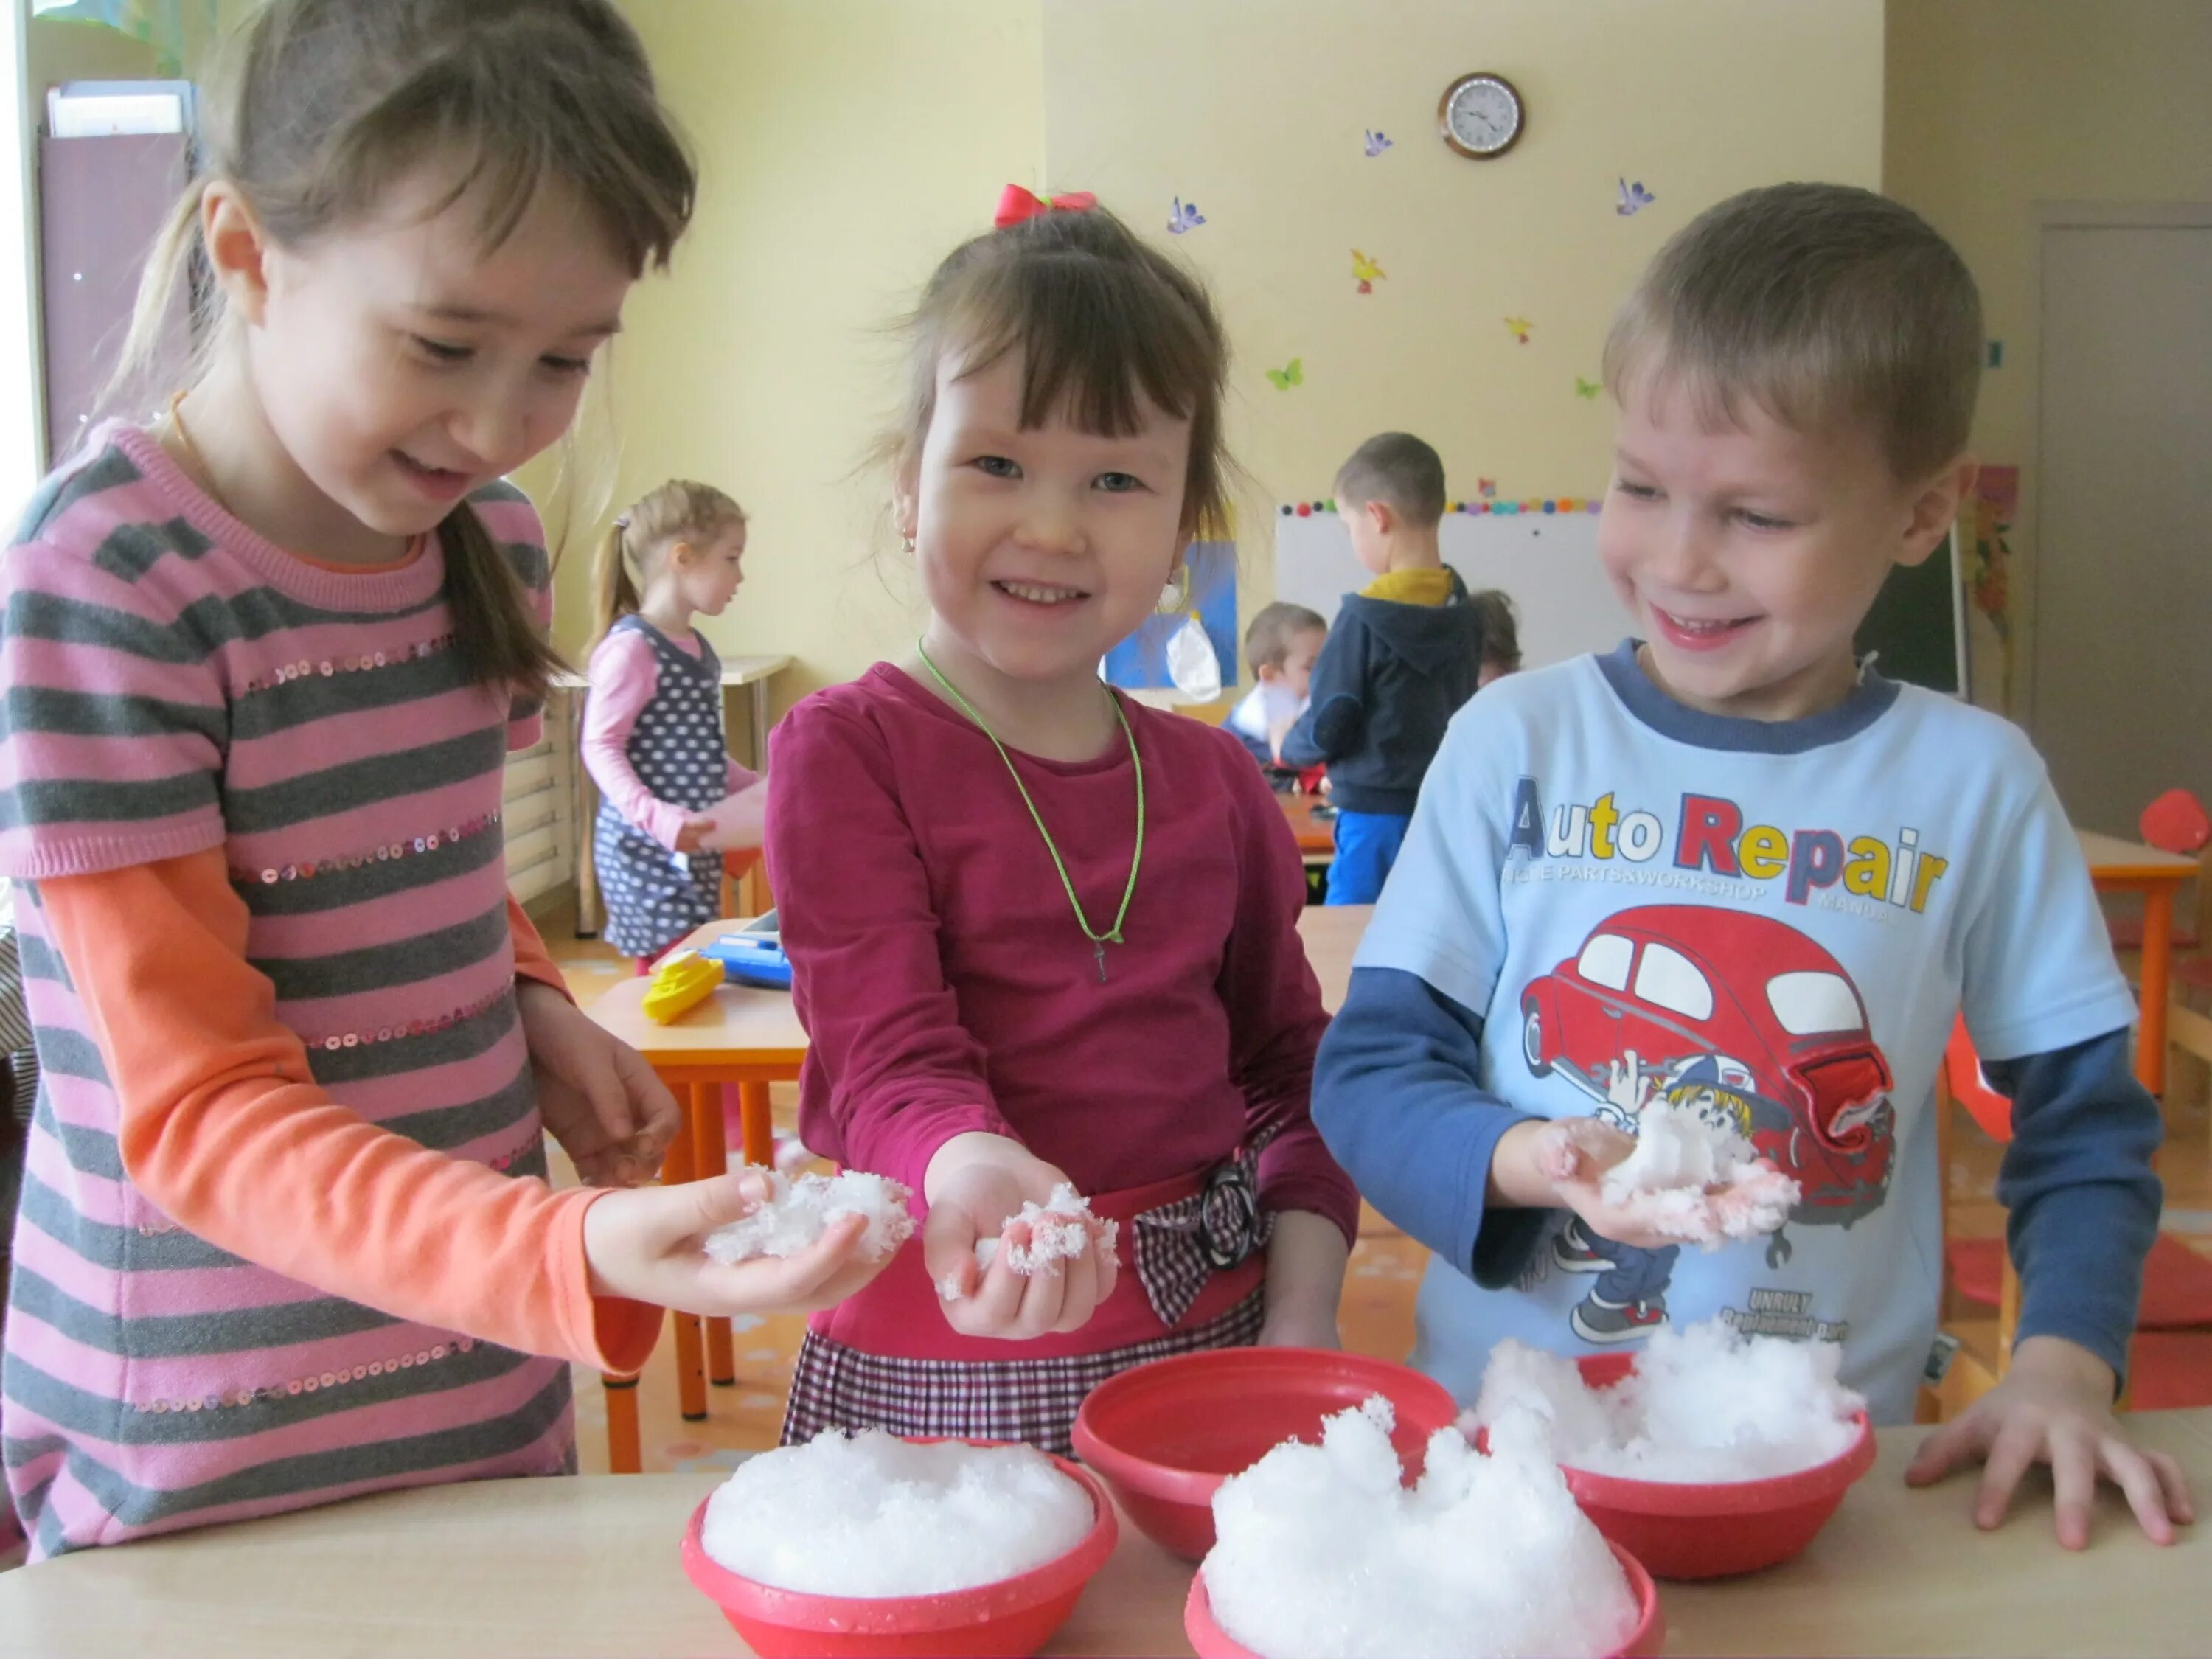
(1538, 1165)
(2054, 1407)
(974, 1183)
(693, 836)
(738, 822)
(598, 1098)
(649, 1245)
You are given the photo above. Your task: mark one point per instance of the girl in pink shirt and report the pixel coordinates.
(652, 726)
(1042, 934)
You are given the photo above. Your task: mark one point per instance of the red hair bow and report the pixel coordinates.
(1016, 204)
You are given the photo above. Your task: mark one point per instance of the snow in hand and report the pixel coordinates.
(1704, 1405)
(1693, 1179)
(872, 1515)
(1059, 1230)
(798, 1211)
(1323, 1554)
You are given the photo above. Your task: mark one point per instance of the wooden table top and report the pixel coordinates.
(2113, 860)
(588, 1566)
(1315, 835)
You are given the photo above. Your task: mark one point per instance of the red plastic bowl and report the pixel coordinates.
(1166, 1435)
(1682, 1530)
(1006, 1620)
(1209, 1641)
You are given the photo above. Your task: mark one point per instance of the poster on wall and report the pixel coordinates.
(1139, 663)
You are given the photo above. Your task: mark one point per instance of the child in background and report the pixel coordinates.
(1279, 648)
(653, 726)
(1043, 934)
(1403, 655)
(1841, 862)
(1501, 635)
(287, 1236)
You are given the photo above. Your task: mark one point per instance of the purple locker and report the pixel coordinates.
(101, 204)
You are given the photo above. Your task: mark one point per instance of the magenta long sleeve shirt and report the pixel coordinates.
(947, 987)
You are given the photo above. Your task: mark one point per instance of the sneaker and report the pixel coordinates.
(1572, 1250)
(1597, 1319)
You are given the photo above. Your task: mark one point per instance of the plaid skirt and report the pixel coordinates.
(839, 1387)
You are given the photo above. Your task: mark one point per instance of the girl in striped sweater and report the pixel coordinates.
(285, 1235)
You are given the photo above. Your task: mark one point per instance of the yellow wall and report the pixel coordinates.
(847, 144)
(1996, 105)
(844, 146)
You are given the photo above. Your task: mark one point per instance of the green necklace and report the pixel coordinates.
(1113, 935)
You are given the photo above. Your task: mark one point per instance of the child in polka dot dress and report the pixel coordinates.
(652, 726)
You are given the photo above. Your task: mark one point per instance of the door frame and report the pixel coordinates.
(2071, 215)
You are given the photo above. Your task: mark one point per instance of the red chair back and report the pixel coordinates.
(1969, 1085)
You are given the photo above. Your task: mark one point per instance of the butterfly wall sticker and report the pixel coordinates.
(1633, 198)
(1291, 374)
(1185, 216)
(1365, 271)
(1376, 141)
(1520, 327)
(1486, 488)
(1588, 388)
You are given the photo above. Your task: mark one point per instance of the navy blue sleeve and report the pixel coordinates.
(1395, 1099)
(1335, 719)
(2081, 1203)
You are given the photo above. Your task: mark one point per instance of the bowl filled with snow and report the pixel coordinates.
(866, 1546)
(1165, 1436)
(1209, 1641)
(1323, 1552)
(1706, 1456)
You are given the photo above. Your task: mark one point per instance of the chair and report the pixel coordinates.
(2170, 1359)
(2176, 822)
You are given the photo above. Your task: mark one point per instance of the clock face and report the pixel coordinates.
(1481, 116)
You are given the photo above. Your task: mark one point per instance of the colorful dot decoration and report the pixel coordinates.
(1546, 504)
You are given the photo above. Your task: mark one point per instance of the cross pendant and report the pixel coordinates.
(1098, 949)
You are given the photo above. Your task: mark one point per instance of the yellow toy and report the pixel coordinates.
(680, 983)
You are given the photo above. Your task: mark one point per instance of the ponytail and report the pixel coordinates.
(498, 640)
(172, 260)
(614, 594)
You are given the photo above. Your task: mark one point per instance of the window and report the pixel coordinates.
(1669, 980)
(1604, 961)
(1809, 1002)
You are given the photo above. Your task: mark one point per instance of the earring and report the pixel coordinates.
(909, 544)
(1176, 596)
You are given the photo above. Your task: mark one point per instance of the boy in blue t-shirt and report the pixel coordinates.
(1727, 867)
(1404, 653)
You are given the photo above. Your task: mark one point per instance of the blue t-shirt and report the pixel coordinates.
(1777, 921)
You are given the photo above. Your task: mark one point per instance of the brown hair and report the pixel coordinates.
(321, 106)
(1501, 632)
(678, 511)
(1099, 317)
(1267, 641)
(1399, 470)
(1828, 305)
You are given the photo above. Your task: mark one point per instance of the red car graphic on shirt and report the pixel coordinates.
(1658, 987)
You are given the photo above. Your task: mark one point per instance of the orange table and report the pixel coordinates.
(739, 1035)
(2127, 866)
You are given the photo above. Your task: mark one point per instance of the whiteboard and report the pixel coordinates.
(1546, 562)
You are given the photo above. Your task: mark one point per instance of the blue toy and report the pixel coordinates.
(752, 955)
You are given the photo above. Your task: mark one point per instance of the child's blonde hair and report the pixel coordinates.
(1399, 469)
(1267, 641)
(1828, 305)
(1099, 316)
(321, 106)
(678, 511)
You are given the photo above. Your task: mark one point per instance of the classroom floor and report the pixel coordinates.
(1377, 1316)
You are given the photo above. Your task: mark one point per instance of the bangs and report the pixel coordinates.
(1097, 342)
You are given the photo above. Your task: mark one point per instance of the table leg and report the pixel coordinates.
(757, 713)
(2157, 966)
(691, 1370)
(753, 1120)
(711, 1157)
(624, 1455)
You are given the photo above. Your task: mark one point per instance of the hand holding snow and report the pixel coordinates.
(871, 1515)
(1704, 1405)
(1323, 1554)
(798, 1211)
(1692, 1179)
(1058, 1231)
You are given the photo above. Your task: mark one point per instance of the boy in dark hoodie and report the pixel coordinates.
(1401, 657)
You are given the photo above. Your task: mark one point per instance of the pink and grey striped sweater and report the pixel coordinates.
(173, 686)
